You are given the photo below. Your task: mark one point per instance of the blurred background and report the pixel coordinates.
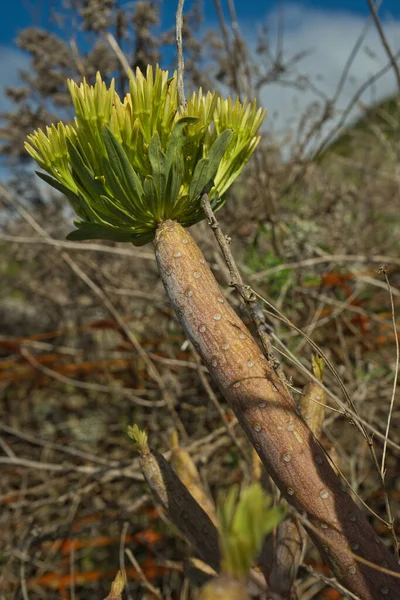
(313, 218)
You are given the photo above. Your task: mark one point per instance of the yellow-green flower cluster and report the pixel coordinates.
(126, 166)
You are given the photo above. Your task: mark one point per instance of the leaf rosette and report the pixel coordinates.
(126, 166)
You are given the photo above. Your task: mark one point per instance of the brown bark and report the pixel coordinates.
(282, 556)
(288, 449)
(180, 506)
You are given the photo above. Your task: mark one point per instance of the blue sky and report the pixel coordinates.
(21, 13)
(327, 29)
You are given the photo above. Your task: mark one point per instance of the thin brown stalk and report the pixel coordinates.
(228, 49)
(15, 239)
(118, 52)
(396, 373)
(329, 258)
(145, 582)
(350, 106)
(95, 387)
(179, 48)
(385, 43)
(72, 571)
(389, 420)
(331, 582)
(124, 533)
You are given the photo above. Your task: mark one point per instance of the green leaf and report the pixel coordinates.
(126, 200)
(110, 207)
(56, 184)
(174, 185)
(113, 151)
(95, 231)
(77, 205)
(205, 172)
(177, 140)
(199, 180)
(217, 151)
(152, 198)
(120, 164)
(88, 179)
(157, 161)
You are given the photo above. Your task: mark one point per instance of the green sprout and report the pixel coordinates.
(127, 166)
(244, 522)
(139, 438)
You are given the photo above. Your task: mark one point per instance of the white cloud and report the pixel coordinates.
(330, 36)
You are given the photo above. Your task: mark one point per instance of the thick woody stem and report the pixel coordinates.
(288, 449)
(286, 551)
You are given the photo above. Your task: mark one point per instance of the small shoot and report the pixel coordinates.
(244, 521)
(139, 438)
